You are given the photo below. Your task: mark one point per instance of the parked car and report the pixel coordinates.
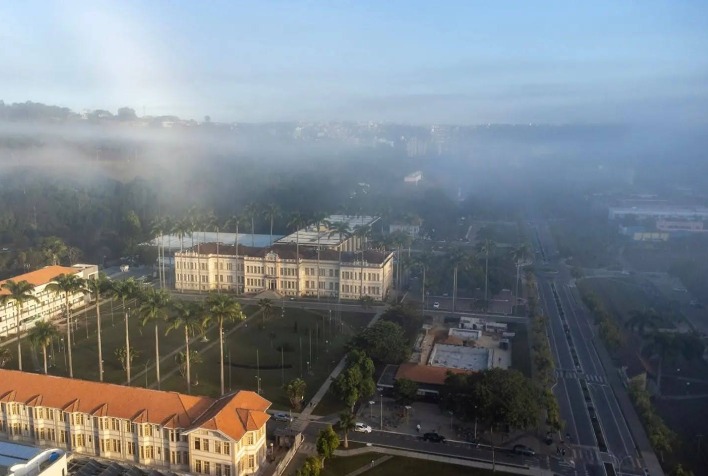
(282, 417)
(436, 305)
(362, 427)
(524, 450)
(434, 437)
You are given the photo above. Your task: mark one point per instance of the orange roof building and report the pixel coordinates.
(48, 303)
(184, 433)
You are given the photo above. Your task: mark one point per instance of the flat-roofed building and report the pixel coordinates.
(183, 433)
(49, 304)
(324, 236)
(327, 272)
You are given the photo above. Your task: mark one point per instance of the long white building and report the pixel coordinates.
(49, 304)
(182, 433)
(327, 272)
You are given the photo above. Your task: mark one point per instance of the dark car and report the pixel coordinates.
(434, 437)
(523, 450)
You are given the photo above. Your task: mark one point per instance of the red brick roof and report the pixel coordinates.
(232, 414)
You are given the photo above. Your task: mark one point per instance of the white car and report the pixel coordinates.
(362, 427)
(436, 305)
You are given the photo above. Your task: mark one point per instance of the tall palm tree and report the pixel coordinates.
(488, 247)
(68, 285)
(154, 309)
(424, 261)
(249, 213)
(41, 335)
(362, 232)
(187, 316)
(271, 212)
(341, 229)
(182, 228)
(234, 221)
(97, 287)
(125, 291)
(399, 240)
(266, 307)
(520, 255)
(347, 422)
(169, 226)
(297, 221)
(319, 219)
(458, 258)
(222, 308)
(157, 232)
(18, 292)
(213, 223)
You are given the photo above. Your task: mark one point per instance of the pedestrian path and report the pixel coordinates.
(374, 463)
(575, 375)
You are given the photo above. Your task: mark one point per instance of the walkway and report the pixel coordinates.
(367, 467)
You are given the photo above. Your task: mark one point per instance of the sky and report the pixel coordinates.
(419, 62)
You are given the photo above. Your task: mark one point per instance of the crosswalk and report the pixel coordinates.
(574, 375)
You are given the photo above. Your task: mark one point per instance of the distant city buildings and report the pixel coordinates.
(165, 430)
(414, 177)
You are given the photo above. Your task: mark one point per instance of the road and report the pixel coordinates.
(587, 400)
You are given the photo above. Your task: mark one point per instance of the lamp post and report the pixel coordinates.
(258, 385)
(475, 423)
(381, 409)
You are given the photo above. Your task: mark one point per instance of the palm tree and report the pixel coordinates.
(423, 260)
(297, 221)
(295, 391)
(341, 229)
(520, 255)
(664, 345)
(68, 285)
(234, 221)
(319, 219)
(222, 308)
(266, 307)
(19, 293)
(488, 247)
(459, 258)
(157, 232)
(362, 231)
(399, 240)
(271, 212)
(5, 357)
(182, 228)
(154, 309)
(212, 222)
(41, 335)
(126, 290)
(187, 316)
(249, 212)
(97, 287)
(347, 422)
(169, 226)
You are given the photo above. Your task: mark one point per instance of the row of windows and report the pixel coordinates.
(218, 447)
(204, 467)
(358, 275)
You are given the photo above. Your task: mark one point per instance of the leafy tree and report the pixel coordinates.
(680, 471)
(327, 442)
(405, 391)
(296, 393)
(41, 335)
(5, 357)
(122, 354)
(384, 342)
(311, 467)
(347, 422)
(154, 309)
(18, 293)
(68, 285)
(367, 302)
(641, 320)
(356, 381)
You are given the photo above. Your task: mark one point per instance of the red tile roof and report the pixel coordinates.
(41, 276)
(232, 414)
(426, 374)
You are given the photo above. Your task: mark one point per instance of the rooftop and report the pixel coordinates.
(232, 414)
(425, 374)
(13, 453)
(311, 235)
(173, 242)
(40, 276)
(458, 357)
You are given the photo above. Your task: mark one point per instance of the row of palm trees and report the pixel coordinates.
(153, 306)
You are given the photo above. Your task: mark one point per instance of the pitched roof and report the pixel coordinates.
(233, 414)
(41, 276)
(426, 374)
(289, 252)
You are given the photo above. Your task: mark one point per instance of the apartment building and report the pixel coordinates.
(49, 304)
(168, 430)
(327, 272)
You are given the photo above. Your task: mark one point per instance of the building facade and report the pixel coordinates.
(49, 304)
(286, 270)
(182, 433)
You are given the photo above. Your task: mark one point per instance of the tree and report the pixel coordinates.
(385, 342)
(126, 114)
(187, 316)
(54, 249)
(297, 221)
(41, 335)
(68, 285)
(356, 381)
(366, 302)
(5, 357)
(406, 391)
(362, 232)
(222, 308)
(271, 212)
(250, 212)
(122, 353)
(194, 359)
(519, 255)
(295, 391)
(126, 290)
(488, 247)
(340, 229)
(311, 467)
(266, 307)
(327, 442)
(154, 309)
(458, 258)
(347, 422)
(97, 287)
(639, 321)
(234, 221)
(18, 293)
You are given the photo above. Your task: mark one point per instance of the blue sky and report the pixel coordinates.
(404, 61)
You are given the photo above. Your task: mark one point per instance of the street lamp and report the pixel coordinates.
(258, 385)
(381, 408)
(475, 423)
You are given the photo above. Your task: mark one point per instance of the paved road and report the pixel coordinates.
(578, 365)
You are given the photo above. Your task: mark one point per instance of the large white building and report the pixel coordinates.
(164, 430)
(327, 272)
(49, 304)
(324, 237)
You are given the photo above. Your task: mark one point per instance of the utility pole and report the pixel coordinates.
(310, 332)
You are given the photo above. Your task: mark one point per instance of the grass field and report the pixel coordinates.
(312, 344)
(397, 466)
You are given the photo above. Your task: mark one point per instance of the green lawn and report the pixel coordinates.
(317, 339)
(398, 466)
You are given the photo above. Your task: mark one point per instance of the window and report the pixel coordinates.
(217, 468)
(251, 461)
(197, 465)
(217, 447)
(227, 470)
(205, 444)
(227, 448)
(250, 439)
(197, 444)
(206, 467)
